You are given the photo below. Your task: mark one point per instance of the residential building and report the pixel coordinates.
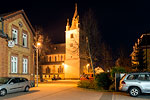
(141, 52)
(16, 60)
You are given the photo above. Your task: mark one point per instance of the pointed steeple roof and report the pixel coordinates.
(76, 12)
(75, 19)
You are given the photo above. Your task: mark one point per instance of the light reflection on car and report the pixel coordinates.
(88, 76)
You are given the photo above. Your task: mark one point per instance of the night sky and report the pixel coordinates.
(120, 22)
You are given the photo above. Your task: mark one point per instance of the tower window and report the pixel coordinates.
(71, 35)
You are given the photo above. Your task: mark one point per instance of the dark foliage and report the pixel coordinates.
(103, 80)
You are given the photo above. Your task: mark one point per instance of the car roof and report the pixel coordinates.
(140, 73)
(12, 77)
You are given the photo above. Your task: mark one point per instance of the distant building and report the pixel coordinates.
(18, 60)
(141, 52)
(68, 60)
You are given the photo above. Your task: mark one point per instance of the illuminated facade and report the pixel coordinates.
(142, 46)
(17, 61)
(72, 65)
(54, 62)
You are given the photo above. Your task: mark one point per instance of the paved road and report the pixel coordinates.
(68, 90)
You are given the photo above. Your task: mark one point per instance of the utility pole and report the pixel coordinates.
(37, 66)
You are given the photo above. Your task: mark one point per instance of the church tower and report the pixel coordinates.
(72, 61)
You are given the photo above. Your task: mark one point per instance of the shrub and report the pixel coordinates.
(103, 80)
(84, 83)
(89, 84)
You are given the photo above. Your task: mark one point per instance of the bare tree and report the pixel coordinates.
(89, 29)
(44, 48)
(106, 58)
(123, 59)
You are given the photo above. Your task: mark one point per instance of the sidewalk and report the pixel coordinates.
(122, 96)
(61, 81)
(126, 96)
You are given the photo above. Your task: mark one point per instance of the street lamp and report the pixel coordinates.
(37, 53)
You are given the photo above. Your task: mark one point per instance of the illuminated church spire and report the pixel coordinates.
(75, 19)
(76, 12)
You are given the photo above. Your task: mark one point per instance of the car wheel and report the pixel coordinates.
(134, 91)
(26, 89)
(3, 92)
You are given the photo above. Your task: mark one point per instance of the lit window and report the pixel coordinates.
(25, 65)
(15, 35)
(24, 40)
(14, 64)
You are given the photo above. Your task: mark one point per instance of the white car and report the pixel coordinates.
(13, 84)
(135, 83)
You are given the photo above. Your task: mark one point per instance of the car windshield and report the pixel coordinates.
(4, 80)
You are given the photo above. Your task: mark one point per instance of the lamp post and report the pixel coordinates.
(37, 54)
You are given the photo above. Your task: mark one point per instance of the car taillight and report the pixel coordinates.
(123, 82)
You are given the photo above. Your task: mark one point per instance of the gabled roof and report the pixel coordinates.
(12, 14)
(145, 40)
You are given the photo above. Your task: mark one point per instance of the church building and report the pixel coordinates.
(65, 61)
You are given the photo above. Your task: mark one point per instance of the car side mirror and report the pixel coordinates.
(11, 83)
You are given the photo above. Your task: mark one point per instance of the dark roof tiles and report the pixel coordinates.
(57, 48)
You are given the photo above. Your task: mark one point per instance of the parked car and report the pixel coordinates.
(87, 77)
(135, 83)
(13, 84)
(56, 78)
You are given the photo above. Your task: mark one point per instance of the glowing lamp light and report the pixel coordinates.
(88, 65)
(64, 65)
(38, 44)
